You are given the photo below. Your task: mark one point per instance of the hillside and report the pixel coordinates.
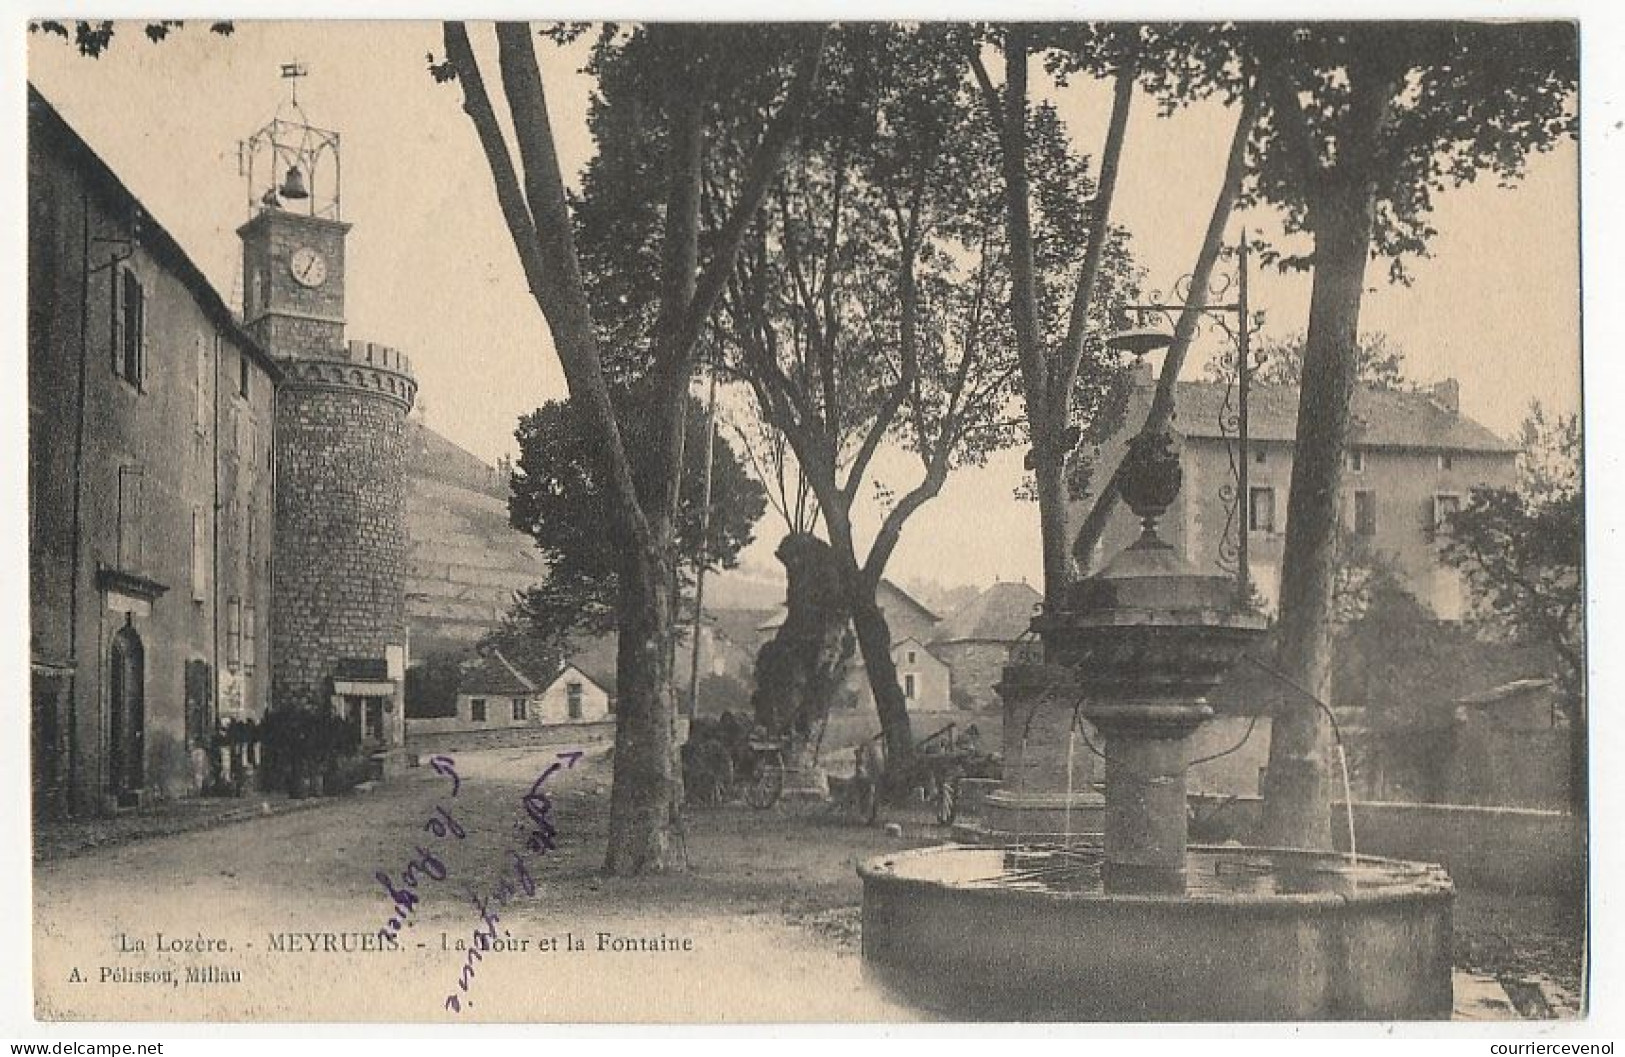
(464, 562)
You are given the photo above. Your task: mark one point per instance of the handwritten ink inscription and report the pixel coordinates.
(539, 836)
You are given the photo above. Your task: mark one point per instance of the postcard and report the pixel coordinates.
(852, 522)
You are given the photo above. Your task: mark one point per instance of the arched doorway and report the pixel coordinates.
(127, 680)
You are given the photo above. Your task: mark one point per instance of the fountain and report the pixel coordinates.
(1142, 926)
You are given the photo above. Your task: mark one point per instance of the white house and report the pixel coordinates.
(493, 693)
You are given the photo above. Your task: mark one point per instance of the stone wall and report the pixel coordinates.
(425, 736)
(1497, 848)
(339, 584)
(977, 666)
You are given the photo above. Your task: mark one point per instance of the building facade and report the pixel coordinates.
(151, 487)
(1413, 458)
(976, 639)
(216, 505)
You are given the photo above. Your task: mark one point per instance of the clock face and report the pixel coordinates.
(308, 267)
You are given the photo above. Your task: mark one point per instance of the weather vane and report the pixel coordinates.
(292, 71)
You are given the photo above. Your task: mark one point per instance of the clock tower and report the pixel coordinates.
(338, 583)
(293, 282)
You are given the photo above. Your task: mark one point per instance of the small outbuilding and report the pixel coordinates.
(494, 692)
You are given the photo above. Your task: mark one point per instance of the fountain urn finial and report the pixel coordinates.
(1151, 477)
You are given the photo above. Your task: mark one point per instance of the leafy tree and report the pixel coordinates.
(559, 499)
(1137, 56)
(1069, 271)
(1522, 550)
(93, 38)
(863, 308)
(1365, 123)
(1378, 364)
(667, 80)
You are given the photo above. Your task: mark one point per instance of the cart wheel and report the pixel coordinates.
(763, 791)
(947, 803)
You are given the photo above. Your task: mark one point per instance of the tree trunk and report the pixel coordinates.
(796, 673)
(1049, 474)
(1297, 791)
(874, 642)
(646, 793)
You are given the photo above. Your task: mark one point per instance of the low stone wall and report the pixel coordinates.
(1496, 848)
(441, 735)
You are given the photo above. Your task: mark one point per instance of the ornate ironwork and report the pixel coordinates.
(1224, 311)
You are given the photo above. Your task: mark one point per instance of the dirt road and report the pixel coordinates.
(277, 919)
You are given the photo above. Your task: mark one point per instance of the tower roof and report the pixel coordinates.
(1002, 613)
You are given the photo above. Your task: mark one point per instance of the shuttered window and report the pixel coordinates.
(200, 405)
(200, 555)
(234, 633)
(129, 327)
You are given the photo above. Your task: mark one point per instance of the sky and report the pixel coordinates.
(432, 271)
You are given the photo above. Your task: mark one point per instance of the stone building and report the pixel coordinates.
(1413, 457)
(976, 639)
(216, 504)
(494, 692)
(151, 463)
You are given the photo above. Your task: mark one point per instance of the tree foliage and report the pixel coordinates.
(1378, 364)
(1522, 549)
(558, 498)
(91, 38)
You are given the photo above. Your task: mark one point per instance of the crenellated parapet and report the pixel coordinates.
(360, 366)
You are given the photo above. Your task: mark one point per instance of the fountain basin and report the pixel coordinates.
(981, 933)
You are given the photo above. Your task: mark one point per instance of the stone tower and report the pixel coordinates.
(338, 613)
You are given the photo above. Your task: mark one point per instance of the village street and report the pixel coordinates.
(767, 912)
(770, 925)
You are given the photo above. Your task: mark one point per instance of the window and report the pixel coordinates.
(1356, 461)
(1447, 461)
(1365, 513)
(1445, 506)
(911, 656)
(573, 694)
(200, 555)
(1258, 456)
(476, 709)
(130, 516)
(248, 532)
(129, 327)
(908, 686)
(519, 710)
(200, 404)
(1261, 510)
(234, 633)
(249, 637)
(242, 373)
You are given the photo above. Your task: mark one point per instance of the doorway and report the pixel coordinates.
(127, 734)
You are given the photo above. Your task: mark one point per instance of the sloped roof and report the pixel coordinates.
(886, 594)
(1383, 418)
(595, 657)
(1002, 613)
(48, 129)
(923, 649)
(493, 674)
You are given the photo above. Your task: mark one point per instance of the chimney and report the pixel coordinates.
(1447, 394)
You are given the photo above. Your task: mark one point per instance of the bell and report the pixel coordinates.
(294, 185)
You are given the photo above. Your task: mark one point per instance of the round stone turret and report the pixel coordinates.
(341, 546)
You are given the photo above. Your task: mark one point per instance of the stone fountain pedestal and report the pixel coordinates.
(1037, 799)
